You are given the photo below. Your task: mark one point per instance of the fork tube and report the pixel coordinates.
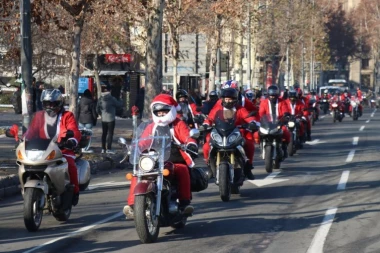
(232, 166)
(217, 167)
(159, 190)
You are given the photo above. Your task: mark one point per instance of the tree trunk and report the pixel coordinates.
(214, 48)
(74, 72)
(241, 54)
(97, 78)
(153, 78)
(174, 39)
(67, 76)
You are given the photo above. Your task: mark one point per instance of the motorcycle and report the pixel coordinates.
(156, 194)
(227, 155)
(313, 111)
(296, 139)
(336, 113)
(355, 110)
(44, 178)
(324, 105)
(271, 143)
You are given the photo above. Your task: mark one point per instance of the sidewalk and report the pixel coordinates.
(9, 182)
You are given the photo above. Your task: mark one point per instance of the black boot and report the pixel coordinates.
(285, 150)
(75, 199)
(308, 132)
(248, 171)
(185, 207)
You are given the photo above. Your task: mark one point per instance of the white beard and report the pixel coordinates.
(167, 119)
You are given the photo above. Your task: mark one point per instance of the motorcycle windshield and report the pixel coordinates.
(33, 140)
(266, 122)
(185, 111)
(225, 121)
(151, 139)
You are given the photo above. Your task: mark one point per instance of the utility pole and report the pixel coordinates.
(287, 66)
(26, 63)
(312, 52)
(303, 64)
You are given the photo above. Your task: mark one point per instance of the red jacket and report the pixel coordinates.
(281, 106)
(66, 121)
(180, 134)
(297, 109)
(242, 116)
(248, 105)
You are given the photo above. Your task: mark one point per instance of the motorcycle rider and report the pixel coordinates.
(306, 112)
(355, 98)
(188, 110)
(209, 104)
(164, 113)
(296, 109)
(277, 108)
(250, 96)
(313, 96)
(230, 105)
(55, 120)
(336, 99)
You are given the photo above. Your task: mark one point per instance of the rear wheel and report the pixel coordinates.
(146, 223)
(33, 208)
(268, 159)
(224, 182)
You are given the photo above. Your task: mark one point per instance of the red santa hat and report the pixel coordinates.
(166, 100)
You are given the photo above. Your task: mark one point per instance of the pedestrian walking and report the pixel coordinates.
(106, 107)
(87, 115)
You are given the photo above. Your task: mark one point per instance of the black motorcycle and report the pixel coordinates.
(324, 105)
(227, 155)
(296, 138)
(271, 142)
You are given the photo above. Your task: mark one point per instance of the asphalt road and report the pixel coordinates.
(324, 199)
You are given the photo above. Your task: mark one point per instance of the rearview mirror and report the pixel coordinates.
(8, 133)
(194, 133)
(122, 141)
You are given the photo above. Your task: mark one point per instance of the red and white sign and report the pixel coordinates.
(118, 58)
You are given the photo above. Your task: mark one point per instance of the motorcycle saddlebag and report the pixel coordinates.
(198, 179)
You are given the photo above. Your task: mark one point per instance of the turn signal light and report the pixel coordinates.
(50, 156)
(129, 176)
(166, 172)
(19, 155)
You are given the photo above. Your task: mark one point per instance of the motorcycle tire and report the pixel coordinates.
(83, 187)
(355, 116)
(291, 146)
(334, 118)
(32, 211)
(268, 159)
(277, 163)
(224, 182)
(144, 209)
(62, 215)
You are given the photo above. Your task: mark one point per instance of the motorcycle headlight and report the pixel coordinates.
(146, 164)
(217, 138)
(334, 105)
(34, 155)
(291, 124)
(263, 130)
(232, 137)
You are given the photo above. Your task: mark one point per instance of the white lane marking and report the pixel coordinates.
(74, 233)
(270, 179)
(350, 156)
(2, 135)
(355, 141)
(320, 237)
(343, 180)
(322, 117)
(314, 142)
(361, 128)
(368, 121)
(108, 184)
(372, 114)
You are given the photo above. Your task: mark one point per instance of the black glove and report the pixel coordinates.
(287, 114)
(70, 144)
(252, 126)
(192, 149)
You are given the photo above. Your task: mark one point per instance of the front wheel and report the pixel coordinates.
(355, 115)
(291, 145)
(334, 116)
(146, 223)
(33, 208)
(268, 159)
(224, 182)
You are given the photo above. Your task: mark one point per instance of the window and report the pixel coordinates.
(365, 80)
(365, 63)
(53, 62)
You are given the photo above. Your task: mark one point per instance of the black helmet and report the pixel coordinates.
(337, 92)
(181, 93)
(213, 94)
(313, 92)
(158, 107)
(273, 90)
(293, 94)
(52, 101)
(229, 93)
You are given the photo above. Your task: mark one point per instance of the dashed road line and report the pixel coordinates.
(343, 180)
(361, 128)
(350, 156)
(355, 140)
(320, 237)
(368, 121)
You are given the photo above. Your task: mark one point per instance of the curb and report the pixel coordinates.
(10, 185)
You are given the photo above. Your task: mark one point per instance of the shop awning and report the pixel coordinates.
(112, 73)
